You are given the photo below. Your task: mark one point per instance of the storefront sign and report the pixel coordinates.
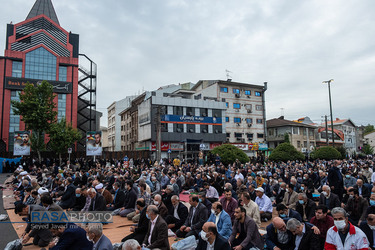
(20, 83)
(184, 119)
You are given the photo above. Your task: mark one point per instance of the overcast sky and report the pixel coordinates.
(293, 45)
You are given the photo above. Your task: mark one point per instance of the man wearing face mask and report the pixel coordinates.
(335, 179)
(177, 215)
(329, 199)
(305, 207)
(343, 235)
(371, 207)
(221, 220)
(118, 199)
(210, 238)
(291, 197)
(286, 213)
(368, 227)
(71, 237)
(277, 236)
(356, 207)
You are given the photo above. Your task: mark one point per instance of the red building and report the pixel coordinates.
(38, 49)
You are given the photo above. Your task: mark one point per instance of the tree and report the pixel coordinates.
(286, 152)
(229, 153)
(326, 153)
(342, 151)
(36, 108)
(62, 135)
(286, 138)
(368, 129)
(368, 150)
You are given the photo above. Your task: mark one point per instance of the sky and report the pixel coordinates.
(294, 45)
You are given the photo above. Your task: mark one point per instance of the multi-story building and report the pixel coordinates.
(302, 136)
(245, 115)
(38, 49)
(114, 122)
(369, 139)
(349, 130)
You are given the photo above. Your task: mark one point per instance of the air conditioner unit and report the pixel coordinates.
(249, 125)
(249, 111)
(237, 95)
(237, 110)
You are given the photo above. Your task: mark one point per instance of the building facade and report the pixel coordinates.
(369, 139)
(349, 130)
(38, 49)
(302, 136)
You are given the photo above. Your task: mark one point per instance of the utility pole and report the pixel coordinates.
(330, 107)
(158, 133)
(327, 130)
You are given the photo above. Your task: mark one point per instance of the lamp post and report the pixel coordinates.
(330, 107)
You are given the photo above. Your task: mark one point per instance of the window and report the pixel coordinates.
(224, 89)
(216, 113)
(295, 131)
(260, 136)
(228, 134)
(305, 144)
(227, 119)
(61, 106)
(298, 144)
(227, 104)
(237, 120)
(217, 129)
(248, 106)
(63, 73)
(178, 128)
(249, 120)
(204, 128)
(236, 91)
(40, 64)
(203, 112)
(259, 120)
(190, 111)
(238, 135)
(177, 110)
(259, 107)
(250, 136)
(191, 128)
(16, 69)
(247, 92)
(236, 105)
(257, 93)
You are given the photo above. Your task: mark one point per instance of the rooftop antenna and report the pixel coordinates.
(229, 77)
(282, 111)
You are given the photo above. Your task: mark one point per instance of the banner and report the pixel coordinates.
(21, 143)
(185, 119)
(94, 143)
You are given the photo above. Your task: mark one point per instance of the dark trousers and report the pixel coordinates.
(184, 234)
(138, 237)
(237, 242)
(170, 219)
(266, 215)
(39, 241)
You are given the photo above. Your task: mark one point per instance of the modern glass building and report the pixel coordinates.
(38, 49)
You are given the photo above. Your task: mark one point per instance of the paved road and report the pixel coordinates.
(6, 229)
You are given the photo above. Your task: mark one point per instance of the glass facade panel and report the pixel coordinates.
(61, 106)
(63, 72)
(40, 64)
(14, 120)
(17, 69)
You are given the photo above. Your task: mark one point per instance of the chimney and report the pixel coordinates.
(281, 117)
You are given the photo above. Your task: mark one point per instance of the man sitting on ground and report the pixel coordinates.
(211, 239)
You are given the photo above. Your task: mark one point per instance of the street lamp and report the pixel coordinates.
(330, 107)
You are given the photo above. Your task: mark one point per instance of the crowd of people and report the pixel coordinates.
(313, 204)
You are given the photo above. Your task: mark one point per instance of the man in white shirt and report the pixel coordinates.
(264, 203)
(252, 209)
(157, 234)
(211, 192)
(304, 236)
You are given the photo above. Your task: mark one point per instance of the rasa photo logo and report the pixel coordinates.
(38, 217)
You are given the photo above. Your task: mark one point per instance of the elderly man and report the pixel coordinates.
(344, 235)
(368, 227)
(70, 237)
(157, 234)
(97, 201)
(291, 197)
(330, 200)
(139, 231)
(287, 213)
(252, 209)
(362, 189)
(107, 195)
(264, 203)
(211, 193)
(131, 245)
(68, 199)
(163, 210)
(221, 219)
(245, 234)
(95, 235)
(277, 237)
(305, 207)
(211, 238)
(177, 215)
(304, 236)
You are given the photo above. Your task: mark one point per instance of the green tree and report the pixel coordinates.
(36, 108)
(368, 150)
(342, 151)
(368, 129)
(326, 153)
(62, 136)
(286, 152)
(286, 138)
(229, 153)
